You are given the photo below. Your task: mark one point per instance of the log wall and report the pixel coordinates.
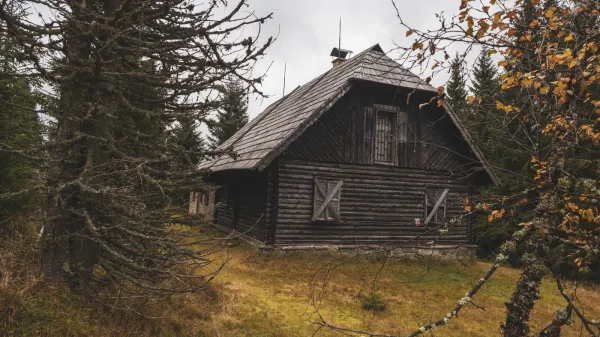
(243, 206)
(378, 204)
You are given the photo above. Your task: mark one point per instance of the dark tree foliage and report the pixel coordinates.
(456, 89)
(19, 129)
(187, 137)
(493, 133)
(122, 72)
(190, 146)
(231, 116)
(507, 142)
(485, 87)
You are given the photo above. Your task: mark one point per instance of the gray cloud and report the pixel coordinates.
(308, 30)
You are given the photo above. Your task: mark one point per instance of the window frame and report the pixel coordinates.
(394, 112)
(393, 139)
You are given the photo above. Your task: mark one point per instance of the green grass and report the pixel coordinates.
(273, 296)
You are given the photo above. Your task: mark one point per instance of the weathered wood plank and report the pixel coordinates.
(376, 202)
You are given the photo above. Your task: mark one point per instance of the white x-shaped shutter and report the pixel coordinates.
(327, 200)
(435, 206)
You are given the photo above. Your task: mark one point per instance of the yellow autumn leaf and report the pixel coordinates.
(573, 64)
(544, 90)
(441, 90)
(534, 23)
(409, 33)
(588, 214)
(471, 99)
(572, 206)
(569, 37)
(467, 208)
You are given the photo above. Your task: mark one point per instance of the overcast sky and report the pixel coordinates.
(308, 30)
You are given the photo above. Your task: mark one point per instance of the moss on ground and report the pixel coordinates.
(273, 296)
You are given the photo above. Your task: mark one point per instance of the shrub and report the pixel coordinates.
(373, 302)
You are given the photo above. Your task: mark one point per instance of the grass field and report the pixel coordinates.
(272, 296)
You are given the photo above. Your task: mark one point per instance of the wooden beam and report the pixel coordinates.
(437, 205)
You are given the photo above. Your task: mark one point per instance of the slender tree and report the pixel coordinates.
(456, 89)
(231, 116)
(121, 73)
(485, 88)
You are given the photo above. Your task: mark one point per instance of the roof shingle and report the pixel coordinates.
(255, 143)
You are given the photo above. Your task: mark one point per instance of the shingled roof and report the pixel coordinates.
(269, 133)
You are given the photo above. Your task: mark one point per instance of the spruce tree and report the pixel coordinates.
(485, 82)
(231, 116)
(189, 148)
(485, 87)
(20, 131)
(124, 72)
(186, 137)
(457, 87)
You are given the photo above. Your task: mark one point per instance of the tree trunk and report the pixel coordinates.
(523, 300)
(68, 254)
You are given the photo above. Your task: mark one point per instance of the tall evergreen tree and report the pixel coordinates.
(456, 89)
(19, 130)
(485, 87)
(485, 82)
(232, 114)
(111, 169)
(187, 144)
(186, 137)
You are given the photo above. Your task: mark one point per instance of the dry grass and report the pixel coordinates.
(271, 296)
(257, 295)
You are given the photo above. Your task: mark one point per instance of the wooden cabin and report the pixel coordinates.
(350, 159)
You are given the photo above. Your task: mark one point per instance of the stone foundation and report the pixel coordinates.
(436, 252)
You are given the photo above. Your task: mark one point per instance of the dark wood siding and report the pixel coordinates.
(246, 207)
(346, 133)
(378, 204)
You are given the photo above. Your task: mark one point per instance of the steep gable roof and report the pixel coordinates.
(269, 133)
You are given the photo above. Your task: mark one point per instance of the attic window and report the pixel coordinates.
(391, 135)
(384, 138)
